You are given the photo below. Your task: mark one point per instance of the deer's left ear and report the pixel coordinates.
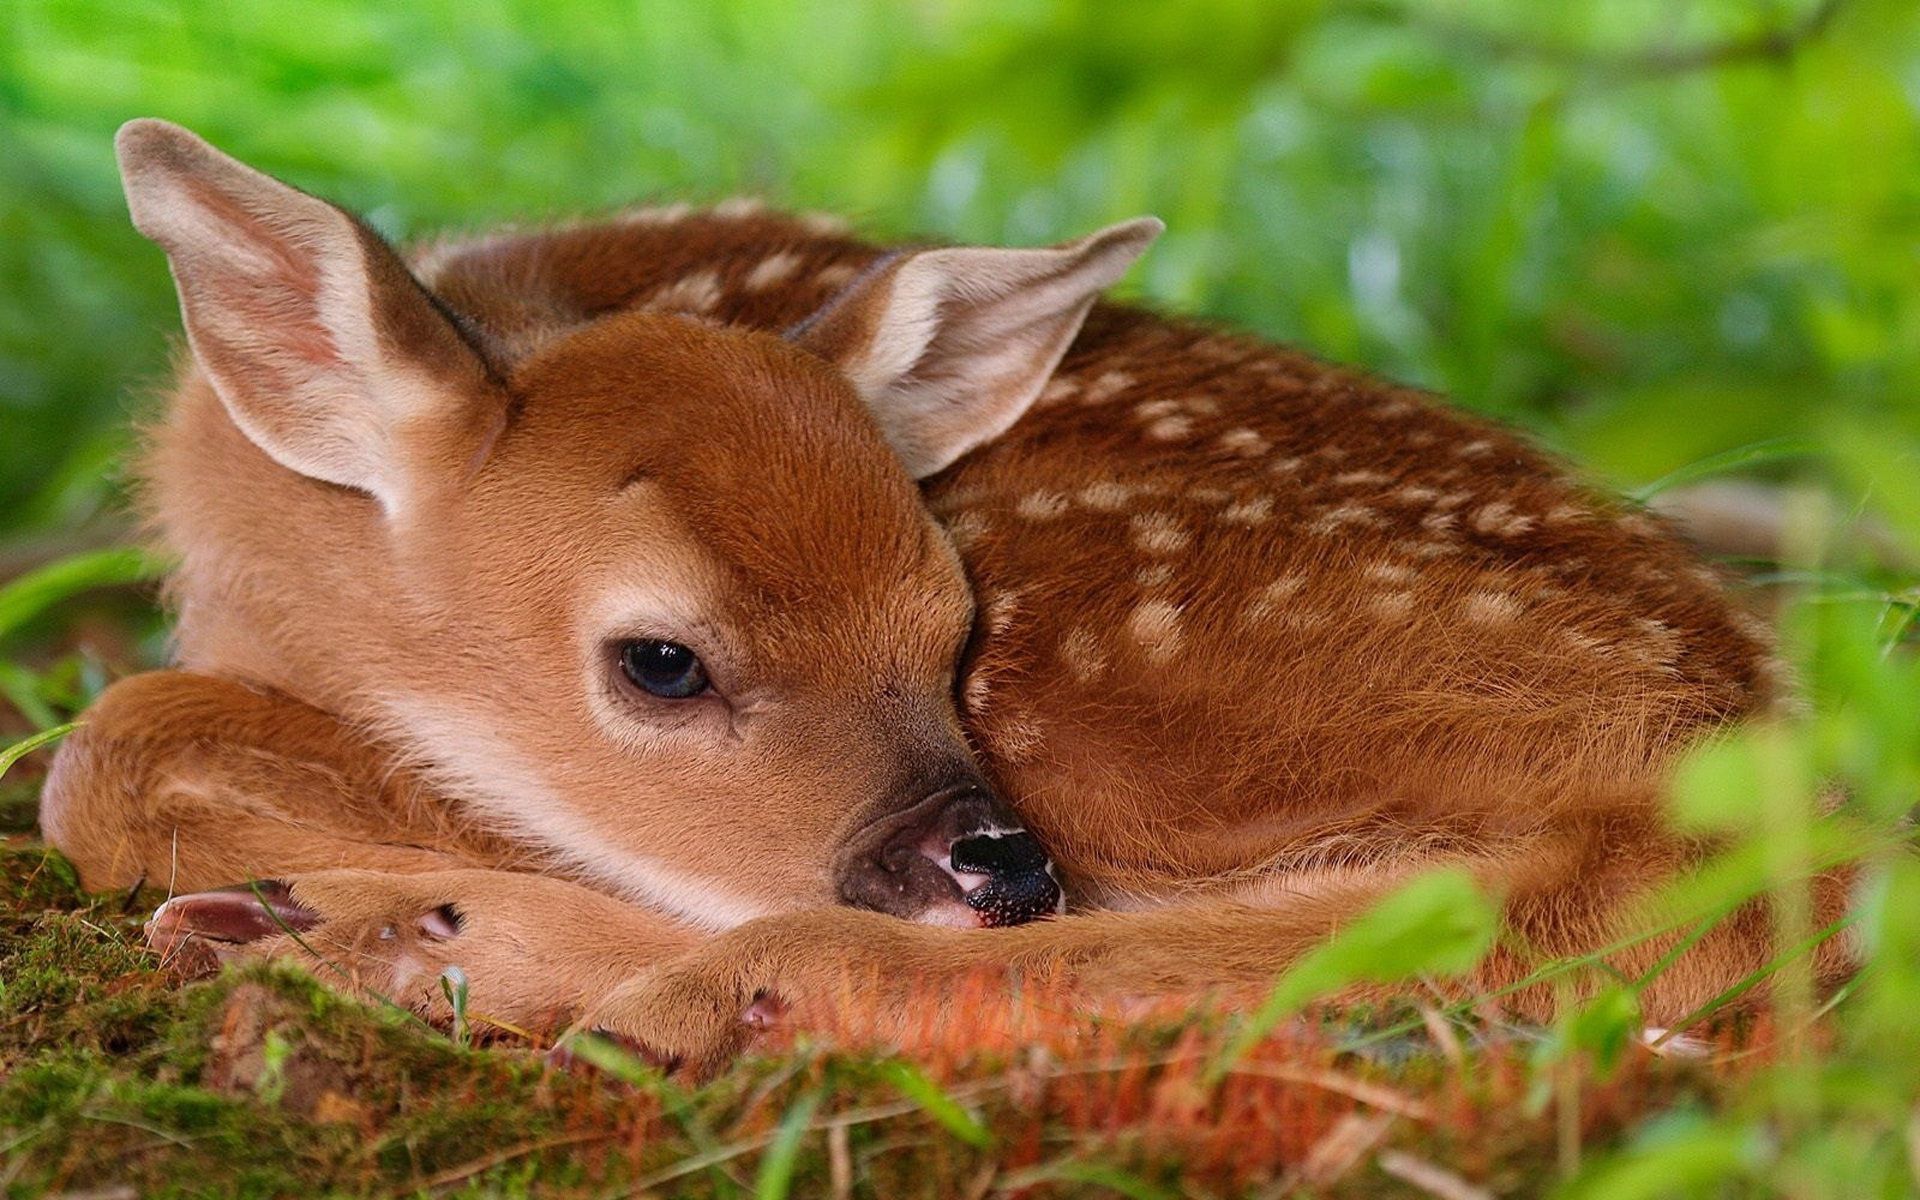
(949, 346)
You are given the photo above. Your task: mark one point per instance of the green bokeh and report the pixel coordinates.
(1641, 228)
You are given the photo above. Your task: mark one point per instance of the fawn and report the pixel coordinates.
(647, 615)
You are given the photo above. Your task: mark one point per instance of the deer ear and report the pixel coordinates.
(950, 346)
(325, 351)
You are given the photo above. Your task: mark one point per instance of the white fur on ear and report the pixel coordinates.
(950, 346)
(325, 352)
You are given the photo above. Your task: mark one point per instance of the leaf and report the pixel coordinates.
(603, 1054)
(21, 688)
(1440, 924)
(36, 591)
(1693, 1159)
(20, 749)
(934, 1101)
(1605, 1026)
(1718, 785)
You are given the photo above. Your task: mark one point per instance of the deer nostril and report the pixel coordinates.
(995, 853)
(1019, 877)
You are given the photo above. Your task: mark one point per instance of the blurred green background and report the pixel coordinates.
(1650, 230)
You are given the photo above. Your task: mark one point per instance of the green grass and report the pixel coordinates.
(1677, 241)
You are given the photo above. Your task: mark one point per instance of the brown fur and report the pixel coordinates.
(1256, 639)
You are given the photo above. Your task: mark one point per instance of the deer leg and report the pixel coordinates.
(189, 781)
(1565, 894)
(193, 783)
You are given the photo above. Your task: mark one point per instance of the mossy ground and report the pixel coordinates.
(119, 1078)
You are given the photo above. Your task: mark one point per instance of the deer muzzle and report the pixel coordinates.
(955, 858)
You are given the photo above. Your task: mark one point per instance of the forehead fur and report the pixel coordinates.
(759, 450)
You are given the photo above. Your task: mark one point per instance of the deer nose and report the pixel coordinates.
(955, 858)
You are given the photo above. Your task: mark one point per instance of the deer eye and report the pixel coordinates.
(664, 669)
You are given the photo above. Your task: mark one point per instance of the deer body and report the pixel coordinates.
(1252, 639)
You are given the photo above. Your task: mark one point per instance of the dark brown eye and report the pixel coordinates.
(664, 669)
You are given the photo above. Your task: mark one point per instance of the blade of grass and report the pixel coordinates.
(36, 591)
(775, 1180)
(1791, 954)
(20, 688)
(20, 749)
(386, 1001)
(1728, 461)
(936, 1103)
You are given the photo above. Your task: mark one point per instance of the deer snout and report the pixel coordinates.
(955, 858)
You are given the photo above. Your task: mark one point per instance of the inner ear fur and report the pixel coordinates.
(949, 346)
(324, 350)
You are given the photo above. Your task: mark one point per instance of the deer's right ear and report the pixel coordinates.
(325, 351)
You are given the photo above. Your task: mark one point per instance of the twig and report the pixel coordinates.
(481, 1165)
(1434, 1181)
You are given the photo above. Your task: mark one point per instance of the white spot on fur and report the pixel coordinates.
(1394, 606)
(967, 528)
(1057, 389)
(998, 613)
(838, 275)
(1205, 493)
(1154, 575)
(1273, 597)
(1242, 440)
(1107, 386)
(735, 207)
(1499, 520)
(1254, 510)
(1041, 506)
(1170, 429)
(1475, 448)
(1659, 643)
(698, 292)
(1159, 533)
(656, 214)
(1583, 642)
(1082, 654)
(1106, 496)
(1387, 572)
(824, 223)
(1335, 519)
(1490, 608)
(772, 271)
(977, 693)
(1360, 478)
(1155, 625)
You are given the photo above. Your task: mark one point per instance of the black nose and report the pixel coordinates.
(1020, 884)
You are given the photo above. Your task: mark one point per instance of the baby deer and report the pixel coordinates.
(551, 602)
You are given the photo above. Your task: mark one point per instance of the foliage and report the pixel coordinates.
(1680, 242)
